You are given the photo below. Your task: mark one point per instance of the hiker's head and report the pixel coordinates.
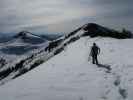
(94, 43)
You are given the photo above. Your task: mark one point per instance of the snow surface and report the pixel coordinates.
(69, 75)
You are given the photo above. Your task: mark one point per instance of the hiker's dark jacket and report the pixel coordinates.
(95, 50)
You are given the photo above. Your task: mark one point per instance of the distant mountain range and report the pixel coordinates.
(51, 36)
(4, 37)
(29, 37)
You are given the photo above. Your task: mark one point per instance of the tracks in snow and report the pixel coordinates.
(117, 84)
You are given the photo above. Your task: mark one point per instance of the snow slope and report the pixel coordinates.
(69, 75)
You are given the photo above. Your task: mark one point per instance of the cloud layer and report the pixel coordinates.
(63, 15)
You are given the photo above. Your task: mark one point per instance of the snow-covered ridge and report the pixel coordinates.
(69, 75)
(33, 59)
(41, 55)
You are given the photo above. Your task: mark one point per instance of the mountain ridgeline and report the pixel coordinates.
(94, 30)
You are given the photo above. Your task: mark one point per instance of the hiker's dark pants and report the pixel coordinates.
(94, 59)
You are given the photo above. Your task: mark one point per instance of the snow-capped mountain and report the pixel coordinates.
(73, 51)
(28, 37)
(70, 76)
(25, 45)
(19, 47)
(21, 44)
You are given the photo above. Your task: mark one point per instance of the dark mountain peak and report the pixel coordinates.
(22, 34)
(94, 30)
(92, 27)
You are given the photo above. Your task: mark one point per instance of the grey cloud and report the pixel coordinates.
(43, 16)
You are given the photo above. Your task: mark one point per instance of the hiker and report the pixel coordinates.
(95, 50)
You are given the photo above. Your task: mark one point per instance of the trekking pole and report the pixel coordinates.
(89, 58)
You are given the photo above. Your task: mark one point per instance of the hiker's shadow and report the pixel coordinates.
(108, 67)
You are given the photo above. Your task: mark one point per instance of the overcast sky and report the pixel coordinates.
(56, 16)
